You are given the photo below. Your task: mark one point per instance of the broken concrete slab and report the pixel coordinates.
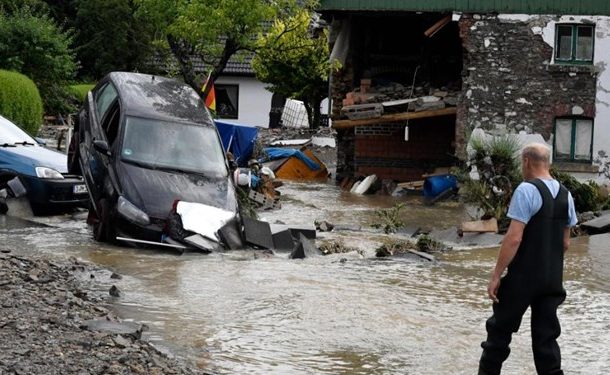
(308, 231)
(201, 243)
(451, 238)
(276, 228)
(598, 225)
(258, 233)
(117, 328)
(304, 248)
(282, 240)
(230, 235)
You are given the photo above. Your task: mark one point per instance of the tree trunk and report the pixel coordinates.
(313, 112)
(228, 51)
(310, 114)
(183, 51)
(317, 117)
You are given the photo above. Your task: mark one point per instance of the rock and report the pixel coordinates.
(116, 276)
(324, 226)
(586, 216)
(597, 225)
(5, 251)
(119, 328)
(121, 341)
(114, 291)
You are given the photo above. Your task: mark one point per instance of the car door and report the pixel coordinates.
(96, 161)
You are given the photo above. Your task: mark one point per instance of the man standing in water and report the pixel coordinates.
(542, 212)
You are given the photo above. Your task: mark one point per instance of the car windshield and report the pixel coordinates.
(173, 146)
(11, 133)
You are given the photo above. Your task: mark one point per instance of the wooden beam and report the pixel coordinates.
(395, 117)
(437, 26)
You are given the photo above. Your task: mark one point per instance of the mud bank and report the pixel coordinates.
(54, 321)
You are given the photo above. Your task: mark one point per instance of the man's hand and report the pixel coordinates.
(492, 289)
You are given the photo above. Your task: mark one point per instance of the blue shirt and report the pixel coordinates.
(527, 201)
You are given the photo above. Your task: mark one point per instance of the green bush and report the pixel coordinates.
(20, 101)
(497, 163)
(586, 196)
(35, 45)
(80, 91)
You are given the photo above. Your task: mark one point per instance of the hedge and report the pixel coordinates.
(20, 101)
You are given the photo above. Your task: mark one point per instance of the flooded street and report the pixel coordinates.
(246, 312)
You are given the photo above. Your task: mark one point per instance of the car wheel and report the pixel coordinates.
(103, 229)
(74, 155)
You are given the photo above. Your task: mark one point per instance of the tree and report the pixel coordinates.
(34, 45)
(109, 37)
(211, 30)
(295, 62)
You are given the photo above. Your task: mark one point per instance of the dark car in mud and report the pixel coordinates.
(143, 142)
(43, 173)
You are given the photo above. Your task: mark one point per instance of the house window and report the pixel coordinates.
(573, 139)
(227, 98)
(574, 44)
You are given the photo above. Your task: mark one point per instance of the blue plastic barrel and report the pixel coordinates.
(435, 185)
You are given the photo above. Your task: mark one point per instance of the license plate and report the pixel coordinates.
(80, 189)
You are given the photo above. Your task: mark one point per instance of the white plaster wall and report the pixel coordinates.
(254, 101)
(545, 26)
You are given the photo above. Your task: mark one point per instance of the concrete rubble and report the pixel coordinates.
(598, 225)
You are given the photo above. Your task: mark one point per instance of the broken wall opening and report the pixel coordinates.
(403, 71)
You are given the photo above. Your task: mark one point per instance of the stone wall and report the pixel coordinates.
(509, 82)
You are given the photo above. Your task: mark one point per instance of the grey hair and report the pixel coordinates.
(537, 152)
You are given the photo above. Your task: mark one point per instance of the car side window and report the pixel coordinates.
(111, 123)
(103, 100)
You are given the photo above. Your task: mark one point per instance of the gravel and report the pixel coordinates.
(52, 321)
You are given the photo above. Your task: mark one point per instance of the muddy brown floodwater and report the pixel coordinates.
(242, 312)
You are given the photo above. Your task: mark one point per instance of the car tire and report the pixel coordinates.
(74, 155)
(103, 229)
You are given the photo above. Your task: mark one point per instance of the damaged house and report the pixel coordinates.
(418, 77)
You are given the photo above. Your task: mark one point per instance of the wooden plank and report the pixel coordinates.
(437, 26)
(481, 226)
(396, 117)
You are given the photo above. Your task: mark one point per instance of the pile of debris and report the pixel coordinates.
(434, 187)
(369, 101)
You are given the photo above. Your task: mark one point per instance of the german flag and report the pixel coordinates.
(210, 100)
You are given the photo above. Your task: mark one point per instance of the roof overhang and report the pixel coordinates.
(576, 7)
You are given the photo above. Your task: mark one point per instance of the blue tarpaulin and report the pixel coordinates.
(281, 153)
(237, 139)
